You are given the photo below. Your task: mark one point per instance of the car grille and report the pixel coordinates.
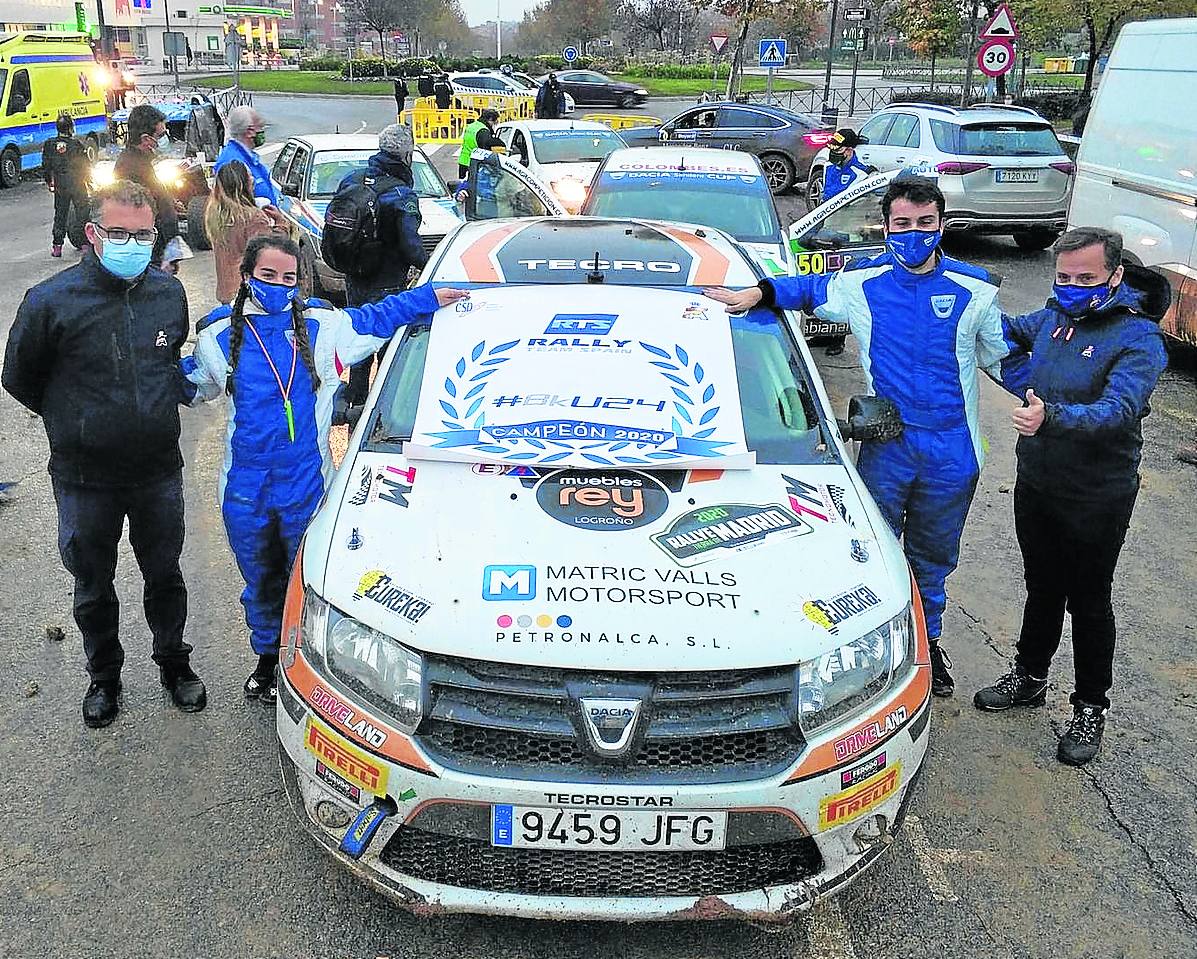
(431, 242)
(475, 864)
(696, 727)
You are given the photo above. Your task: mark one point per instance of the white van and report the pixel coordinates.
(1137, 166)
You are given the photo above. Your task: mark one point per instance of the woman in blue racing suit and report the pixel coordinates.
(279, 360)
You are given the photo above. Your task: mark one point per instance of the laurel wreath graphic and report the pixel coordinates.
(694, 404)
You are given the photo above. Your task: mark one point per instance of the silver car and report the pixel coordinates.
(1001, 168)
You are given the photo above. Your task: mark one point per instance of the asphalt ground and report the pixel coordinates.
(168, 835)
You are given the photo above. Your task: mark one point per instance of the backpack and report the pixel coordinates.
(352, 242)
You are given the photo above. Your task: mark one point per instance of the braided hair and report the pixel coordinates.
(299, 323)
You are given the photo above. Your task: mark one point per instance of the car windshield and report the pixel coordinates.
(996, 139)
(738, 204)
(574, 146)
(332, 166)
(520, 82)
(779, 412)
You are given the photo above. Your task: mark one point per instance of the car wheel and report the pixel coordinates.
(1032, 241)
(92, 146)
(627, 101)
(10, 167)
(814, 189)
(779, 172)
(197, 235)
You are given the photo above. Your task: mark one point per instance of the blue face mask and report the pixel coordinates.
(126, 260)
(912, 248)
(272, 297)
(1075, 300)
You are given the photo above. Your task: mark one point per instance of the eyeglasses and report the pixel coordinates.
(119, 236)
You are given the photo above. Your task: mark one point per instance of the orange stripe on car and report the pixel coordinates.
(476, 257)
(712, 265)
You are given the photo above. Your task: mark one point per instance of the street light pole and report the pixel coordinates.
(835, 7)
(498, 29)
(174, 60)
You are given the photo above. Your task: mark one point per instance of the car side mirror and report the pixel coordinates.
(871, 418)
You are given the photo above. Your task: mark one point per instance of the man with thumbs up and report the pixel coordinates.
(1086, 365)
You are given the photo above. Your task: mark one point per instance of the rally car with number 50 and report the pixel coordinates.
(597, 619)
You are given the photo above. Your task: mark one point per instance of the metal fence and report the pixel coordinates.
(224, 99)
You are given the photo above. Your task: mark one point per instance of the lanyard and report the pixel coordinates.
(284, 392)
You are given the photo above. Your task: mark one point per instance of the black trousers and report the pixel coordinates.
(359, 374)
(1070, 551)
(64, 199)
(90, 523)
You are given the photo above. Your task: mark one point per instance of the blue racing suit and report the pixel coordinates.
(922, 340)
(270, 485)
(836, 179)
(263, 185)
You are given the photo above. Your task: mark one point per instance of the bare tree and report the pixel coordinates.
(379, 16)
(655, 18)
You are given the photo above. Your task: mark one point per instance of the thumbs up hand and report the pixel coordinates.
(1029, 418)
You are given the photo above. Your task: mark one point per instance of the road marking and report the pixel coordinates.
(827, 935)
(360, 128)
(931, 860)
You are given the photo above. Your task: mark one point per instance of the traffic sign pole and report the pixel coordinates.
(835, 6)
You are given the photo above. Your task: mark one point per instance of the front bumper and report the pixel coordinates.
(433, 854)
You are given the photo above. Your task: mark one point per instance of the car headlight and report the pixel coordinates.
(641, 92)
(854, 674)
(368, 662)
(570, 191)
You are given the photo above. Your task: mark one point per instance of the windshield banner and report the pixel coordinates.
(618, 379)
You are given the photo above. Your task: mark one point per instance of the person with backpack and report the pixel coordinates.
(372, 234)
(278, 360)
(479, 134)
(66, 168)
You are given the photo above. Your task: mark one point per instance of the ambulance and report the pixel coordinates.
(43, 75)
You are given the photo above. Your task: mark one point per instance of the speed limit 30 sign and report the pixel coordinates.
(995, 57)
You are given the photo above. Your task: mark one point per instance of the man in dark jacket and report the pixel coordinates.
(402, 92)
(398, 229)
(65, 167)
(94, 351)
(146, 139)
(550, 100)
(1087, 364)
(442, 89)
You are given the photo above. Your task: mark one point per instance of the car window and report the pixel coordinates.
(20, 96)
(857, 222)
(776, 399)
(3, 83)
(331, 167)
(996, 139)
(299, 165)
(695, 119)
(738, 204)
(574, 146)
(500, 193)
(425, 180)
(285, 156)
(571, 77)
(505, 133)
(519, 145)
(875, 129)
(738, 118)
(904, 128)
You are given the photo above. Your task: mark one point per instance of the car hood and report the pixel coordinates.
(770, 256)
(673, 570)
(579, 171)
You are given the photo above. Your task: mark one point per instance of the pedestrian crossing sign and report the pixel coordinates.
(772, 53)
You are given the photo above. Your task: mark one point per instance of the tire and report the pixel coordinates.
(626, 102)
(197, 235)
(10, 168)
(779, 172)
(1032, 241)
(92, 146)
(814, 189)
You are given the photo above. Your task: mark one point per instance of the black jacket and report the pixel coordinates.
(65, 165)
(138, 166)
(398, 228)
(98, 360)
(1095, 374)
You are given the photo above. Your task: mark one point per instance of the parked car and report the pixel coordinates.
(1136, 170)
(590, 88)
(571, 677)
(496, 82)
(308, 171)
(1001, 168)
(563, 153)
(785, 142)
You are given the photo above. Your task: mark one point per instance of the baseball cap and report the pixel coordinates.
(846, 137)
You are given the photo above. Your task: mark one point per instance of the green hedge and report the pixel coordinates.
(370, 68)
(674, 71)
(415, 66)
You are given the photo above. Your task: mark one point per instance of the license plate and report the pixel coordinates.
(1016, 176)
(546, 827)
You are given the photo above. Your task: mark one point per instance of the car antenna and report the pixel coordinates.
(594, 276)
(681, 164)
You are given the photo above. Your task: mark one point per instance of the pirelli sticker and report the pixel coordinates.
(843, 807)
(346, 760)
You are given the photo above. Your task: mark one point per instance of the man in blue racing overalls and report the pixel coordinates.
(925, 324)
(844, 168)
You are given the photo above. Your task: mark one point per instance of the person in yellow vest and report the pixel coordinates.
(478, 134)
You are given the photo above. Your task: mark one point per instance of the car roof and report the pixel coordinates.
(531, 249)
(711, 159)
(319, 142)
(535, 125)
(981, 113)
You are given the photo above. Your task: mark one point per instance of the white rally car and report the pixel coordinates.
(307, 171)
(597, 619)
(563, 153)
